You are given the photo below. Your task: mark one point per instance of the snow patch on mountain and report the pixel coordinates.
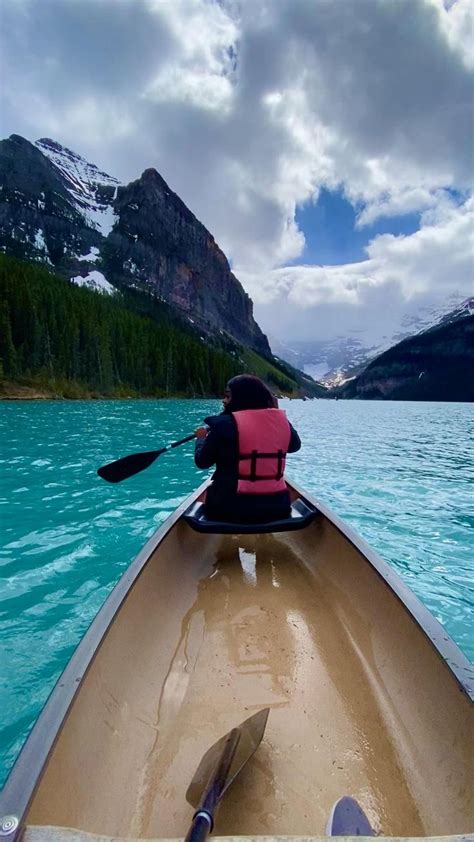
(93, 255)
(40, 241)
(101, 217)
(465, 308)
(40, 244)
(82, 175)
(92, 190)
(94, 280)
(131, 267)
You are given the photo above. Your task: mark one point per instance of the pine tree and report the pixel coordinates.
(8, 354)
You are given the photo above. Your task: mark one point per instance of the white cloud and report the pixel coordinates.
(202, 66)
(424, 267)
(437, 257)
(406, 200)
(459, 24)
(204, 90)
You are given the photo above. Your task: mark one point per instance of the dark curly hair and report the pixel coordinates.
(249, 392)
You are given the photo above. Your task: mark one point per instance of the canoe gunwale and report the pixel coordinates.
(447, 649)
(27, 771)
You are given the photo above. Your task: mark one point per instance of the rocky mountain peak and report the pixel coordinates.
(158, 245)
(57, 208)
(157, 189)
(152, 176)
(46, 143)
(18, 140)
(71, 163)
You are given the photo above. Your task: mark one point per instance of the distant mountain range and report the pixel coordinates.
(333, 361)
(437, 364)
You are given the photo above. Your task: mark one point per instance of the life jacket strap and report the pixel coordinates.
(253, 456)
(253, 466)
(280, 464)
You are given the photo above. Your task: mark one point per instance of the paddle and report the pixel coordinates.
(218, 769)
(136, 462)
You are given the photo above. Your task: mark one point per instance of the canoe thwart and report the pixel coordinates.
(301, 515)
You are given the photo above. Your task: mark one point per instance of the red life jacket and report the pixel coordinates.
(263, 440)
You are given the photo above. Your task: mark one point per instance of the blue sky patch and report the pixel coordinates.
(331, 235)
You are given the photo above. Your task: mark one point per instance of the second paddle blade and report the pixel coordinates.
(251, 734)
(128, 465)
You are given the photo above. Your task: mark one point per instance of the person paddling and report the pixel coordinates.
(247, 443)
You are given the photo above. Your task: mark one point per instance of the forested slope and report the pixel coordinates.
(79, 343)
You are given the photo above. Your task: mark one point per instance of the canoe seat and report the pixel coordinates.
(301, 515)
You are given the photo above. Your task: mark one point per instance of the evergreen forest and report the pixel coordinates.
(78, 342)
(75, 342)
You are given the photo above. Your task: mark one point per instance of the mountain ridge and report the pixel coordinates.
(436, 364)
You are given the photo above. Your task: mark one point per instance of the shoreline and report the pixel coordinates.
(17, 392)
(14, 391)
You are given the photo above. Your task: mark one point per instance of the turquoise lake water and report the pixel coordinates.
(400, 473)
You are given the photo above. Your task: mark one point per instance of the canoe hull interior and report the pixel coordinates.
(217, 627)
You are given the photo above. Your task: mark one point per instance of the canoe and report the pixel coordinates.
(368, 695)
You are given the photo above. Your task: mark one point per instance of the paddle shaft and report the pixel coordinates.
(203, 820)
(127, 466)
(181, 441)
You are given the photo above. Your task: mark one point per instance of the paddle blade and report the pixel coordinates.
(251, 733)
(129, 465)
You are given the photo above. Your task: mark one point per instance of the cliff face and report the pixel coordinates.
(158, 244)
(436, 365)
(58, 209)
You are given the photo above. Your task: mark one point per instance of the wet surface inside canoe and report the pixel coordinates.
(259, 633)
(219, 628)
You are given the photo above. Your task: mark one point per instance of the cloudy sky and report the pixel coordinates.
(327, 144)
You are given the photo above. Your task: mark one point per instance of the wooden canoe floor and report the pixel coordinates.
(219, 627)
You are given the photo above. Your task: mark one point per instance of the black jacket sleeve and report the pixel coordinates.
(295, 441)
(205, 453)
